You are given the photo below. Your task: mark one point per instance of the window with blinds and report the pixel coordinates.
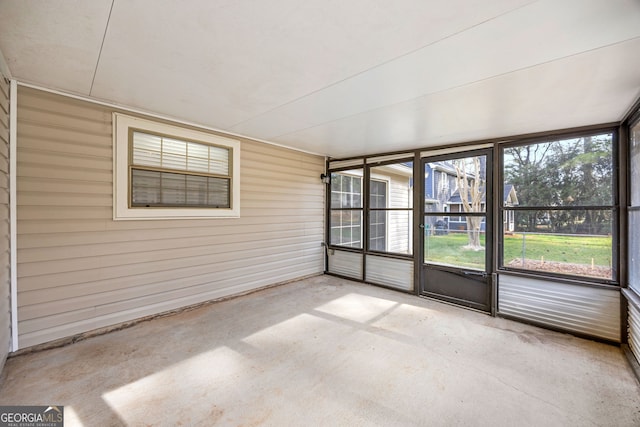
(164, 171)
(171, 172)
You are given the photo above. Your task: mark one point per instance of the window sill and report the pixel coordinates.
(559, 279)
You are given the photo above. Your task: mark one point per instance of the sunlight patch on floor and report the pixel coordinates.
(294, 330)
(359, 308)
(177, 386)
(71, 418)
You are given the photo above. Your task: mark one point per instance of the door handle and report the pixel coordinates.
(476, 273)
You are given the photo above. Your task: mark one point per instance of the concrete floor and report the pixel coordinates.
(325, 352)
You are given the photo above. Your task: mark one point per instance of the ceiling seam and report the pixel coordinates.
(385, 62)
(457, 87)
(104, 36)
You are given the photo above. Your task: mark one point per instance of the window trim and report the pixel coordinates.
(351, 173)
(122, 124)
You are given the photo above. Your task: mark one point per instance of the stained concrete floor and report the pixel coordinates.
(329, 352)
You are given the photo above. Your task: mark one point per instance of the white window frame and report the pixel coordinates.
(351, 174)
(121, 209)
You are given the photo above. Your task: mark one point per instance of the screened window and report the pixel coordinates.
(346, 209)
(164, 171)
(564, 219)
(455, 223)
(634, 207)
(391, 208)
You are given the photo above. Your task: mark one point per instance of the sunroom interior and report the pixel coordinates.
(185, 167)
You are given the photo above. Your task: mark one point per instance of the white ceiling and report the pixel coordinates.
(339, 77)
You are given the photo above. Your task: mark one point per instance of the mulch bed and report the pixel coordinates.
(563, 267)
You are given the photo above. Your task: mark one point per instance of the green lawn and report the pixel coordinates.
(570, 249)
(448, 249)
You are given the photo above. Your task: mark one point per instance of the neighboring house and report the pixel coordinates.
(442, 195)
(392, 186)
(440, 184)
(458, 222)
(510, 198)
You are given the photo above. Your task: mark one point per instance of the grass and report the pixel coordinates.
(448, 249)
(569, 249)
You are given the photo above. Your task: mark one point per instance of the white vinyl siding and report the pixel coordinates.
(396, 273)
(5, 277)
(399, 229)
(80, 270)
(347, 264)
(378, 196)
(586, 310)
(633, 329)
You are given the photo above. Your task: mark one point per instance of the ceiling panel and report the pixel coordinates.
(222, 63)
(506, 44)
(53, 43)
(338, 77)
(594, 87)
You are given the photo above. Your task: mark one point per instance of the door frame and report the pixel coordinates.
(460, 275)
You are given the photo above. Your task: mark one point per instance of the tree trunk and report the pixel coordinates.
(473, 231)
(471, 193)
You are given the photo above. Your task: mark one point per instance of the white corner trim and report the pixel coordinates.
(13, 211)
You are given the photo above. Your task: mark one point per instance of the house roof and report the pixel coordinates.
(338, 78)
(509, 189)
(443, 167)
(456, 199)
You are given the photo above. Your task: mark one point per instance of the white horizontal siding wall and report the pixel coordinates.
(587, 310)
(397, 273)
(5, 280)
(348, 264)
(633, 327)
(399, 228)
(79, 270)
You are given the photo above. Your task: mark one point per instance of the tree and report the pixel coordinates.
(525, 168)
(563, 173)
(581, 171)
(472, 189)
